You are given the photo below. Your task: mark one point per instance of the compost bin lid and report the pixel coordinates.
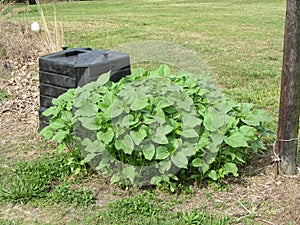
(97, 57)
(83, 57)
(66, 57)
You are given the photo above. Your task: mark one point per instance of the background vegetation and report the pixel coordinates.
(241, 41)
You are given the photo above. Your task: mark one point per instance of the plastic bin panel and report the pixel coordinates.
(58, 79)
(45, 101)
(51, 90)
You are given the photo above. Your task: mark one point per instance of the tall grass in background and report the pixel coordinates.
(52, 34)
(19, 45)
(19, 41)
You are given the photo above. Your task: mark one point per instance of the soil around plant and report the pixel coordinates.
(260, 194)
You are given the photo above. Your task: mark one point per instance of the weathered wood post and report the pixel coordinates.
(289, 109)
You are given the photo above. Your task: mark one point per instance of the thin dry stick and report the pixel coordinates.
(55, 29)
(244, 207)
(44, 20)
(53, 42)
(61, 34)
(268, 222)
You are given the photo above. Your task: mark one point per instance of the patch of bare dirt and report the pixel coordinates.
(264, 198)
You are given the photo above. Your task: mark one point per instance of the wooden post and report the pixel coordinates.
(289, 109)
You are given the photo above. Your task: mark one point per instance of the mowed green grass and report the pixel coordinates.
(240, 40)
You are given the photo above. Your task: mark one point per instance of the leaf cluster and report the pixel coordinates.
(152, 124)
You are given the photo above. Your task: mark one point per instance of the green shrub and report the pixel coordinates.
(152, 124)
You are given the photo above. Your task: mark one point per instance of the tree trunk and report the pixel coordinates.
(288, 121)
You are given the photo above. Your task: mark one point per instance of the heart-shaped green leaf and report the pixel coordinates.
(139, 104)
(180, 160)
(162, 152)
(149, 151)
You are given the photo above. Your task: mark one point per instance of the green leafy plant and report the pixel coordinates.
(196, 217)
(45, 169)
(61, 130)
(150, 209)
(33, 179)
(152, 124)
(38, 179)
(22, 190)
(80, 196)
(145, 207)
(142, 204)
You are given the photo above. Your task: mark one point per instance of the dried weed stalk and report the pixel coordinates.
(19, 44)
(53, 38)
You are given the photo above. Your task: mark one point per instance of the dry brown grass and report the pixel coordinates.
(19, 45)
(52, 34)
(18, 42)
(17, 39)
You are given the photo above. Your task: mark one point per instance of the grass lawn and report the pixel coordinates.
(241, 41)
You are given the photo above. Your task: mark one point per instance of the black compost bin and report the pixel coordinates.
(76, 67)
